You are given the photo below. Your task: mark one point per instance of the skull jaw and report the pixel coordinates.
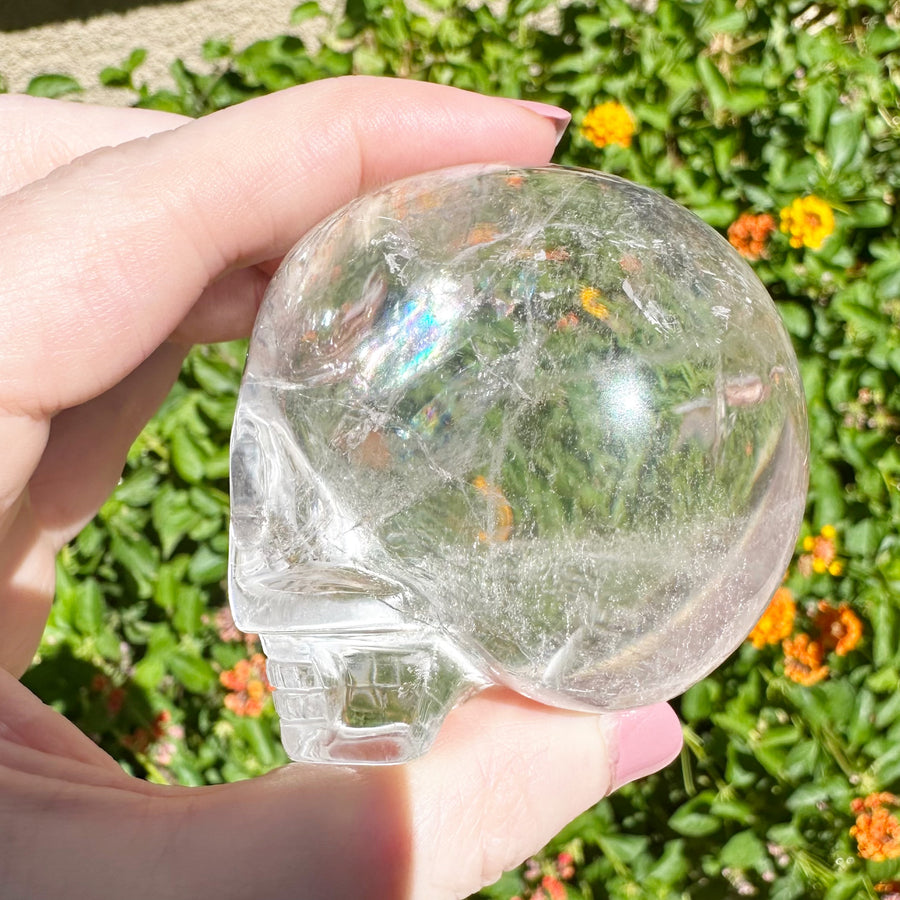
(356, 680)
(365, 698)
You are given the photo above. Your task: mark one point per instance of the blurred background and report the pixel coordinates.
(775, 121)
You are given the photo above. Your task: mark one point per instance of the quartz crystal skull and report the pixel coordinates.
(534, 427)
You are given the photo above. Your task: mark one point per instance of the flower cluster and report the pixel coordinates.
(248, 686)
(877, 829)
(547, 880)
(608, 123)
(820, 554)
(807, 221)
(777, 621)
(749, 234)
(836, 629)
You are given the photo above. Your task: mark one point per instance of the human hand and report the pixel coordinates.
(112, 265)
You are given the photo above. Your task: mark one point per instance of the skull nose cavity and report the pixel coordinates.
(364, 698)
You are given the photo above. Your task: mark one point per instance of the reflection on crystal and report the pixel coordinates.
(536, 427)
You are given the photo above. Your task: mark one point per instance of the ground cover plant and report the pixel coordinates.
(776, 122)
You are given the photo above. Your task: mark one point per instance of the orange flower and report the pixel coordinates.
(808, 221)
(777, 621)
(608, 123)
(248, 685)
(877, 830)
(803, 660)
(591, 303)
(840, 629)
(749, 234)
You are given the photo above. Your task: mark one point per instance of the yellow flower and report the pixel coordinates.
(608, 123)
(808, 221)
(777, 621)
(591, 303)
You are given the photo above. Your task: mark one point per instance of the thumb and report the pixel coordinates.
(506, 774)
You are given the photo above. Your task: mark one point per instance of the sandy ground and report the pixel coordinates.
(81, 48)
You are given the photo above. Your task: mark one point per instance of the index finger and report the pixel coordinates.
(104, 257)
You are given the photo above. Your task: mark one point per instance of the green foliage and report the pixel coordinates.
(53, 86)
(738, 108)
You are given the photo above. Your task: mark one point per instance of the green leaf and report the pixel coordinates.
(89, 609)
(187, 457)
(305, 11)
(114, 76)
(713, 82)
(871, 214)
(173, 516)
(842, 142)
(216, 49)
(190, 607)
(207, 566)
(693, 824)
(692, 820)
(192, 671)
(624, 847)
(255, 733)
(139, 559)
(138, 488)
(797, 319)
(699, 701)
(744, 851)
(53, 86)
(672, 865)
(887, 766)
(135, 60)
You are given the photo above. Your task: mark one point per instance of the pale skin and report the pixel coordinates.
(127, 235)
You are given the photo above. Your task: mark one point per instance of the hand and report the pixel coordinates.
(113, 263)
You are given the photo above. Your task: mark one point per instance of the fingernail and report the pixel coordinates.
(559, 117)
(647, 740)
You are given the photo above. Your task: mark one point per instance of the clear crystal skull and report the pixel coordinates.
(534, 427)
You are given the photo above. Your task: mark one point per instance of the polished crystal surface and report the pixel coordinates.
(534, 427)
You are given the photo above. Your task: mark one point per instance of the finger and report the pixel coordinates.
(145, 227)
(79, 468)
(26, 724)
(507, 774)
(503, 778)
(226, 309)
(38, 135)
